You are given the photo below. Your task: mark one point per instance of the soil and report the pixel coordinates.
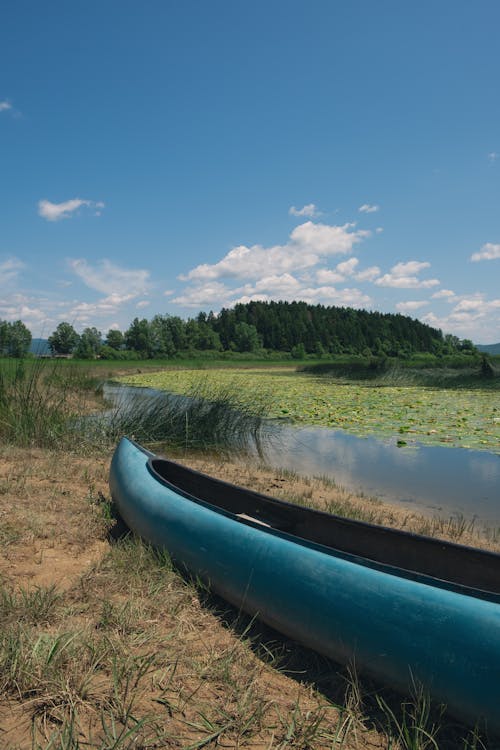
(53, 533)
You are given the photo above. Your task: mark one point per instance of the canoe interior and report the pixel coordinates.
(478, 570)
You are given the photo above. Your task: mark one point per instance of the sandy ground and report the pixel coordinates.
(52, 533)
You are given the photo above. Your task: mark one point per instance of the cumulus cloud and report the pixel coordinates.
(446, 294)
(411, 305)
(309, 210)
(493, 156)
(368, 274)
(308, 244)
(404, 276)
(368, 208)
(119, 284)
(285, 287)
(5, 106)
(347, 267)
(341, 272)
(9, 269)
(58, 211)
(327, 276)
(489, 251)
(33, 311)
(474, 317)
(348, 297)
(477, 303)
(213, 293)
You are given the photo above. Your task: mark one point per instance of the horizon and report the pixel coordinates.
(172, 159)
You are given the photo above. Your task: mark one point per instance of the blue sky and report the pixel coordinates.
(172, 157)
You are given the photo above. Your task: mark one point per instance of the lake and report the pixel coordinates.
(431, 479)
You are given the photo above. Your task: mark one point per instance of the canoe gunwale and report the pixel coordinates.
(396, 625)
(353, 554)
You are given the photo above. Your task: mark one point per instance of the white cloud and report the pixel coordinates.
(347, 267)
(310, 210)
(493, 156)
(367, 208)
(332, 296)
(477, 303)
(307, 245)
(212, 293)
(285, 287)
(474, 317)
(369, 274)
(379, 230)
(33, 311)
(143, 303)
(326, 276)
(341, 272)
(5, 106)
(58, 211)
(119, 284)
(489, 251)
(285, 283)
(9, 269)
(411, 305)
(446, 294)
(403, 276)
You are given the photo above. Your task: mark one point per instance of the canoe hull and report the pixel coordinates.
(401, 630)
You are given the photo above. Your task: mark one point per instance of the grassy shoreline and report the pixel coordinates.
(101, 641)
(103, 644)
(406, 413)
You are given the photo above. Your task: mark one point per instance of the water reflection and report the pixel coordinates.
(435, 479)
(429, 479)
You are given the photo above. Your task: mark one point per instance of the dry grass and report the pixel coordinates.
(104, 645)
(325, 495)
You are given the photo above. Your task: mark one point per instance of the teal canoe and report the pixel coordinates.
(405, 608)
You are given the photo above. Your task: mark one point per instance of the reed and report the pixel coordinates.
(47, 404)
(39, 401)
(208, 417)
(480, 374)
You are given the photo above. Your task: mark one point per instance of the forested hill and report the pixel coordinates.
(284, 326)
(260, 328)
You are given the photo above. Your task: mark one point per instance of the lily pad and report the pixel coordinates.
(466, 418)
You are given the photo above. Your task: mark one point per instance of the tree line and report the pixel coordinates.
(295, 328)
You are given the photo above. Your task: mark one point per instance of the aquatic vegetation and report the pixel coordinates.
(407, 414)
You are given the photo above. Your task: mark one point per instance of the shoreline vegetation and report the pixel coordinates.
(103, 644)
(406, 406)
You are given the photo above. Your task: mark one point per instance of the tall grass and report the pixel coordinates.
(39, 400)
(207, 417)
(48, 404)
(433, 373)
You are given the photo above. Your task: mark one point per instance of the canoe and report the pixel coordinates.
(407, 609)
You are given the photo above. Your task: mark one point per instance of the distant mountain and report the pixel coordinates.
(39, 346)
(489, 348)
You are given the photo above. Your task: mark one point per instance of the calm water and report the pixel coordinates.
(435, 480)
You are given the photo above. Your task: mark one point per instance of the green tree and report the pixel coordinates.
(246, 338)
(138, 337)
(89, 344)
(115, 339)
(162, 340)
(298, 351)
(64, 339)
(201, 336)
(4, 336)
(15, 339)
